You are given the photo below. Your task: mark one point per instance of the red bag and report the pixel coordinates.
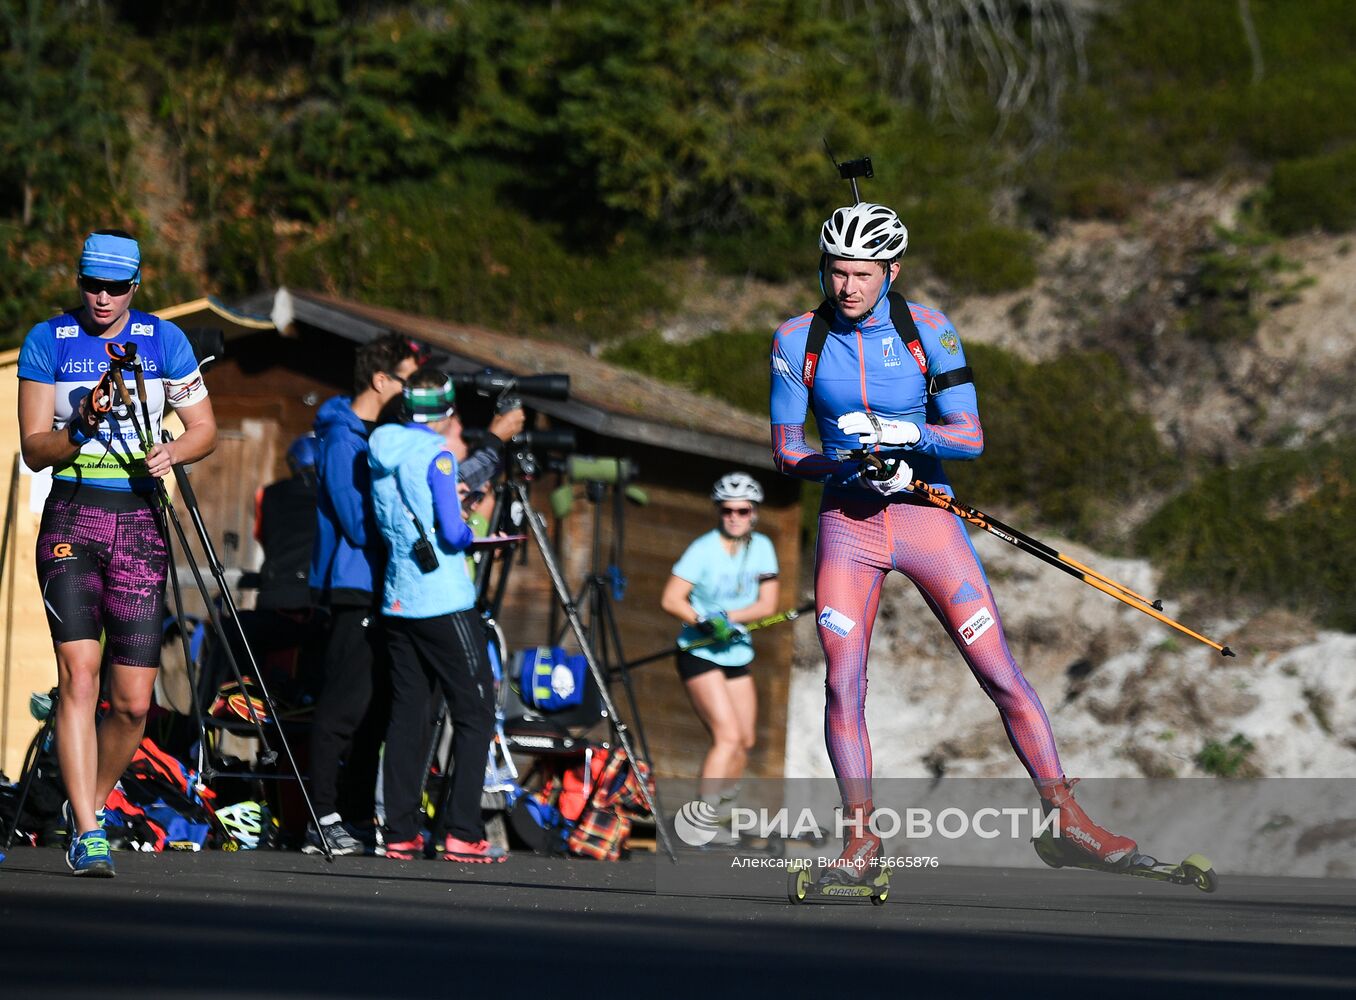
(603, 828)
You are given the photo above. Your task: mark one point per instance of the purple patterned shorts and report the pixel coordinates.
(102, 571)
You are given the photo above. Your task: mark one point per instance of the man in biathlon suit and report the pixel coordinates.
(893, 381)
(101, 551)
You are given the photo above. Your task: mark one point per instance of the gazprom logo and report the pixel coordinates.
(835, 621)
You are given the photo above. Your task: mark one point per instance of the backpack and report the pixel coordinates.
(169, 794)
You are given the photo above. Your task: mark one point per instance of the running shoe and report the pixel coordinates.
(342, 842)
(68, 820)
(89, 854)
(405, 850)
(479, 852)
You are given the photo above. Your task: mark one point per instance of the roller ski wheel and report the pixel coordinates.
(1195, 870)
(835, 885)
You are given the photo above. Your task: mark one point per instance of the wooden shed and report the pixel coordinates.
(278, 368)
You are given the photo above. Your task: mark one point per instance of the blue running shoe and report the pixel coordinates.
(90, 855)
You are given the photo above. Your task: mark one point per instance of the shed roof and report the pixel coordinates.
(604, 398)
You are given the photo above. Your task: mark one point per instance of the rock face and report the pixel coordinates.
(1129, 698)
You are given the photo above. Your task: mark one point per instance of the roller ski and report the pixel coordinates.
(1195, 870)
(1084, 844)
(856, 874)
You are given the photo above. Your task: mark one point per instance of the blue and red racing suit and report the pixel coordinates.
(864, 366)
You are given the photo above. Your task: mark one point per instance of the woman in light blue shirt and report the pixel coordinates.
(726, 578)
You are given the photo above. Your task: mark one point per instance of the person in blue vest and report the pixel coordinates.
(725, 579)
(435, 633)
(889, 377)
(102, 554)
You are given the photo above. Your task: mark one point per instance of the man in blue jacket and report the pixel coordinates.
(346, 571)
(430, 619)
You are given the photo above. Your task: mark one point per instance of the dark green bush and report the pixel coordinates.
(1060, 438)
(1228, 760)
(729, 366)
(1279, 529)
(1314, 193)
(986, 259)
(451, 248)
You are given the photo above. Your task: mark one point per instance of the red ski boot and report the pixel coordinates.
(1079, 834)
(861, 848)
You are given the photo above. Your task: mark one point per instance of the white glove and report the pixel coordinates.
(894, 477)
(872, 430)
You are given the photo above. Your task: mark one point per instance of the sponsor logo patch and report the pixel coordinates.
(965, 594)
(444, 464)
(780, 367)
(890, 356)
(980, 622)
(61, 550)
(835, 621)
(949, 342)
(142, 329)
(807, 373)
(916, 349)
(67, 332)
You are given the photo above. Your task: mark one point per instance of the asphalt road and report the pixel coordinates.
(271, 923)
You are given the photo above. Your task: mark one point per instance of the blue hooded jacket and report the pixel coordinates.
(411, 467)
(348, 555)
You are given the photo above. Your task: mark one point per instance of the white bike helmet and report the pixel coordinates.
(244, 822)
(737, 486)
(864, 232)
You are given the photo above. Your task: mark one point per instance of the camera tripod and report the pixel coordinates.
(513, 507)
(597, 596)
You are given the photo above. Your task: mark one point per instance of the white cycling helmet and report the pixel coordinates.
(737, 486)
(864, 232)
(244, 821)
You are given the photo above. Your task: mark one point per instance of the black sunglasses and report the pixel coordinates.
(96, 285)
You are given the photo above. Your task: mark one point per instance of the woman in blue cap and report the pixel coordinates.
(101, 551)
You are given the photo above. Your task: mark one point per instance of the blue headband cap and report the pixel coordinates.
(113, 258)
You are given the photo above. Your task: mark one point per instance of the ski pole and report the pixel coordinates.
(939, 498)
(932, 495)
(790, 615)
(920, 486)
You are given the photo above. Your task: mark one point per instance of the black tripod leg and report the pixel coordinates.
(205, 772)
(219, 574)
(538, 532)
(269, 755)
(437, 823)
(40, 743)
(613, 645)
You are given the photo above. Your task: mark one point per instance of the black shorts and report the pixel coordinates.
(101, 567)
(691, 665)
